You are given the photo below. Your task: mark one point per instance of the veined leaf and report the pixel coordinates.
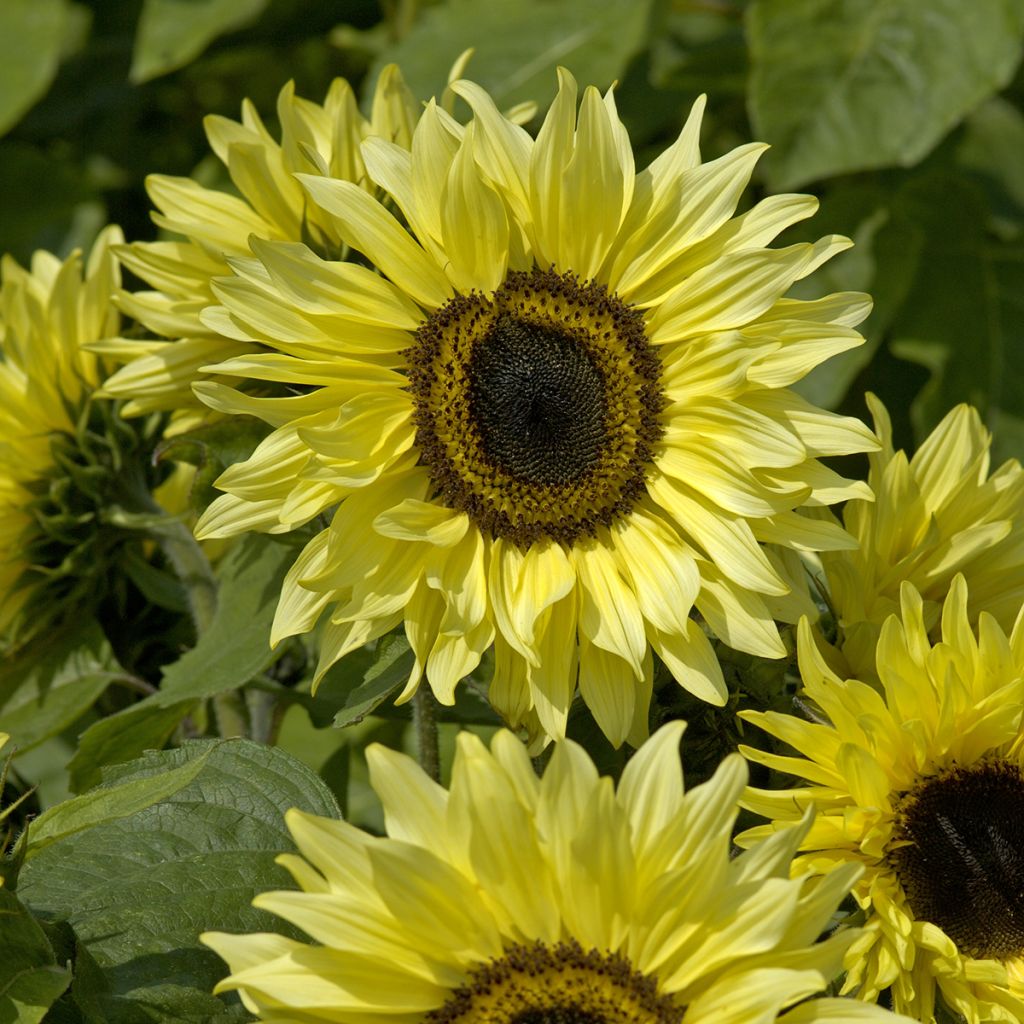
(843, 85)
(139, 887)
(173, 32)
(30, 979)
(46, 686)
(519, 43)
(31, 33)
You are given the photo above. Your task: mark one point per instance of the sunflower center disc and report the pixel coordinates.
(963, 865)
(538, 401)
(537, 408)
(560, 984)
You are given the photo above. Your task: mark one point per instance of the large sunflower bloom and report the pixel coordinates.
(215, 226)
(554, 412)
(922, 785)
(934, 515)
(513, 899)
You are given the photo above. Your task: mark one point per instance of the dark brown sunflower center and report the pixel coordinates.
(560, 984)
(537, 408)
(962, 867)
(538, 401)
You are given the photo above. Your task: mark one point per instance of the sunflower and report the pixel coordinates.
(934, 515)
(552, 411)
(515, 899)
(215, 227)
(923, 786)
(48, 552)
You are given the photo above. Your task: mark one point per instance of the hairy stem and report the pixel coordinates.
(424, 718)
(193, 569)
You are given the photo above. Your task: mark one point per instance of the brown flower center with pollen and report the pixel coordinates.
(537, 408)
(560, 984)
(962, 859)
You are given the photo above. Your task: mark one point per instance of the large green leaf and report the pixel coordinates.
(139, 888)
(48, 685)
(842, 85)
(964, 315)
(108, 803)
(173, 32)
(30, 979)
(519, 43)
(883, 262)
(236, 647)
(382, 678)
(991, 149)
(31, 32)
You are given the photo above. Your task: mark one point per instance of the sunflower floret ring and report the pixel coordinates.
(536, 409)
(550, 416)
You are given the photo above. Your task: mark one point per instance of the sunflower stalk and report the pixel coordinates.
(424, 717)
(186, 556)
(192, 567)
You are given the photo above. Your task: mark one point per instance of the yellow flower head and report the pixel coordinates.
(934, 515)
(552, 410)
(215, 227)
(48, 315)
(514, 899)
(922, 785)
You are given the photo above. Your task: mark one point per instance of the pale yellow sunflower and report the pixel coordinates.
(922, 785)
(515, 899)
(934, 515)
(552, 411)
(320, 139)
(50, 443)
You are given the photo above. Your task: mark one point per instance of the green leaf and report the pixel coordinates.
(48, 685)
(139, 889)
(963, 312)
(232, 651)
(123, 736)
(839, 86)
(108, 803)
(519, 43)
(236, 647)
(30, 979)
(31, 33)
(700, 48)
(882, 262)
(389, 670)
(992, 151)
(173, 32)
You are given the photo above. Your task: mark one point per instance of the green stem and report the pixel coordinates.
(263, 717)
(134, 682)
(183, 551)
(229, 712)
(424, 718)
(193, 569)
